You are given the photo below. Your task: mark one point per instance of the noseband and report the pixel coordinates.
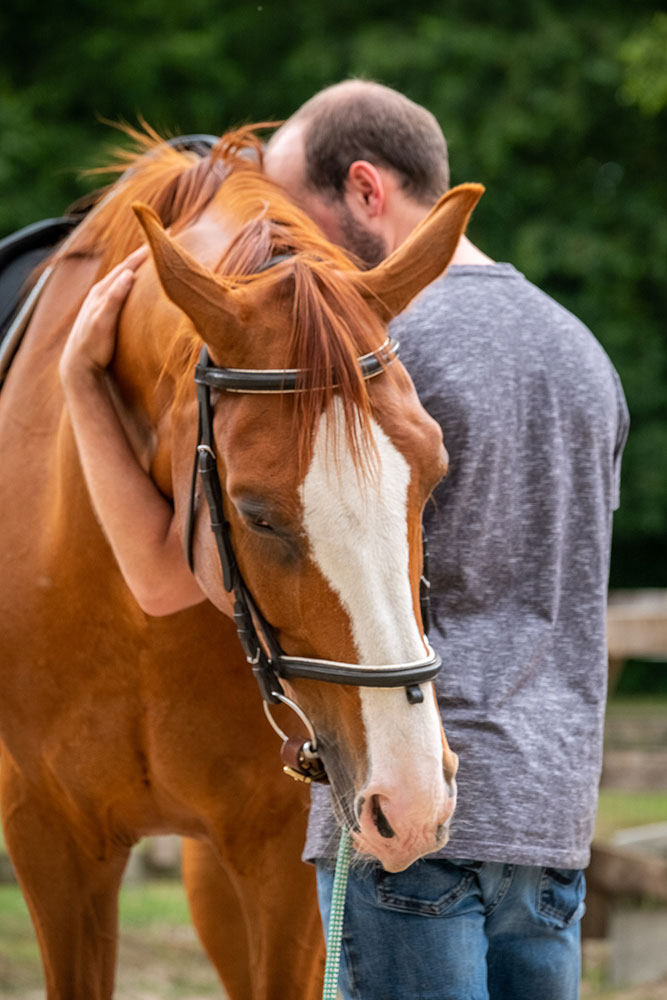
(260, 643)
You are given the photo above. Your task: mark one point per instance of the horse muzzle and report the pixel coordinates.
(398, 827)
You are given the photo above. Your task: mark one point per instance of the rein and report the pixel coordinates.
(336, 917)
(258, 638)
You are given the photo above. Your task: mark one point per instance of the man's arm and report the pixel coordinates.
(136, 518)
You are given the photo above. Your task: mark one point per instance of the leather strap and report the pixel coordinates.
(298, 764)
(287, 379)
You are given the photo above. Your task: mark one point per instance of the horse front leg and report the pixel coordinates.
(72, 895)
(279, 899)
(217, 917)
(254, 902)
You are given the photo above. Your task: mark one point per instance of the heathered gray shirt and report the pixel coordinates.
(534, 421)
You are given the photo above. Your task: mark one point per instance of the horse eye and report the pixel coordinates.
(262, 524)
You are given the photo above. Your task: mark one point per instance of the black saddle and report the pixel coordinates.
(23, 251)
(20, 253)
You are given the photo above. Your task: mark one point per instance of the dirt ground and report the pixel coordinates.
(169, 965)
(595, 956)
(654, 991)
(165, 961)
(172, 967)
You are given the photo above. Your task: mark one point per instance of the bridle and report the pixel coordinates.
(258, 638)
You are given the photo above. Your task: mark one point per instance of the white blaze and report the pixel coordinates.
(357, 530)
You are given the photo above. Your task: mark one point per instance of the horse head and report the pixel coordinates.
(324, 489)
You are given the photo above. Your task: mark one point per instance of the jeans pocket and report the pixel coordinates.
(560, 898)
(428, 888)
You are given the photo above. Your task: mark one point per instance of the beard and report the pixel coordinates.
(370, 248)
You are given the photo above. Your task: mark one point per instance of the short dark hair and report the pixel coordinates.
(360, 120)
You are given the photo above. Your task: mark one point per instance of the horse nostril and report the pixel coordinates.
(380, 820)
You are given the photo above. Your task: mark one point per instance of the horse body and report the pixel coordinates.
(119, 725)
(114, 724)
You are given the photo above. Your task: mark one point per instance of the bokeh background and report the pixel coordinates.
(558, 107)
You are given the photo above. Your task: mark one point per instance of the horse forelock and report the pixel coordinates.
(332, 327)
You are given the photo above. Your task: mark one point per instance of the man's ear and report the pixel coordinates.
(364, 184)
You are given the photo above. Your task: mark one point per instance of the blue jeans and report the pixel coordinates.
(459, 930)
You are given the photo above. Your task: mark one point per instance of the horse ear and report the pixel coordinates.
(425, 254)
(212, 303)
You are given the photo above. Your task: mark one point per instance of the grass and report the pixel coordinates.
(159, 959)
(151, 904)
(619, 810)
(637, 705)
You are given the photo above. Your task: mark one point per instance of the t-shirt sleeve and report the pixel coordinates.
(623, 426)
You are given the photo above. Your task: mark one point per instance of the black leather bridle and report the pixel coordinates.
(258, 638)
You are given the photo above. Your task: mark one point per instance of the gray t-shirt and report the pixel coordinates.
(534, 420)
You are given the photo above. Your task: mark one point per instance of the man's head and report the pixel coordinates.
(364, 161)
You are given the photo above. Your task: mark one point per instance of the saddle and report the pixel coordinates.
(20, 254)
(23, 251)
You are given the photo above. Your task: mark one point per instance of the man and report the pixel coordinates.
(534, 421)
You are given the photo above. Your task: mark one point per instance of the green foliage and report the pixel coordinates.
(643, 677)
(644, 55)
(558, 107)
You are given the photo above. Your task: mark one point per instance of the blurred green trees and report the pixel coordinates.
(558, 107)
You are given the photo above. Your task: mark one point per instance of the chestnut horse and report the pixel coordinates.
(114, 724)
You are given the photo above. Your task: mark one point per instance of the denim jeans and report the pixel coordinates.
(459, 930)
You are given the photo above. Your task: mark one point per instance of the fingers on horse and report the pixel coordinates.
(120, 275)
(136, 258)
(110, 292)
(122, 284)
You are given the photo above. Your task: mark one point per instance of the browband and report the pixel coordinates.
(285, 379)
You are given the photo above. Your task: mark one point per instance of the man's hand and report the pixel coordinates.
(92, 339)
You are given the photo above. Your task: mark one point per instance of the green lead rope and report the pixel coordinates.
(336, 914)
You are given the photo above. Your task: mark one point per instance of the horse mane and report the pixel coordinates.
(177, 184)
(331, 323)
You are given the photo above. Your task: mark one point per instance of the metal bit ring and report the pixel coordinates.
(298, 711)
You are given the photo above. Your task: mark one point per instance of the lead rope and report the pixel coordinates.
(336, 914)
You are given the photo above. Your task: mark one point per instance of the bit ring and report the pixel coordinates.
(298, 711)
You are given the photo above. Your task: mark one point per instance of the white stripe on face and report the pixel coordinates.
(357, 530)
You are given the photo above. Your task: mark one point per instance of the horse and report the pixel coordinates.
(116, 724)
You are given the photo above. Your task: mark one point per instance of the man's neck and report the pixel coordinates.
(467, 253)
(407, 214)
